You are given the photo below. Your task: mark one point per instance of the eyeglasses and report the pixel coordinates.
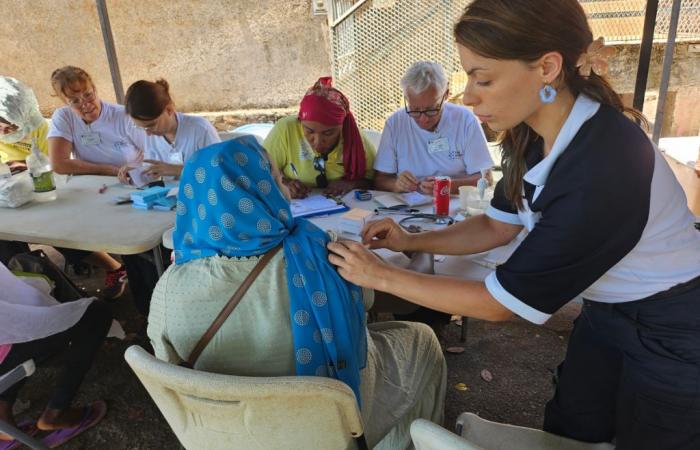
(86, 97)
(320, 165)
(149, 127)
(428, 112)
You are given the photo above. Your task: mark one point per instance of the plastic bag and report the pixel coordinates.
(16, 190)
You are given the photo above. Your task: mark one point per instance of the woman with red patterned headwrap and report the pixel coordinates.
(321, 146)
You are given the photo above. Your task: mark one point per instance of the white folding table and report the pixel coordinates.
(83, 218)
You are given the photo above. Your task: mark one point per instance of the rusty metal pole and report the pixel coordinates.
(640, 85)
(666, 71)
(111, 51)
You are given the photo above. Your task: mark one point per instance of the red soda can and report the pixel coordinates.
(441, 196)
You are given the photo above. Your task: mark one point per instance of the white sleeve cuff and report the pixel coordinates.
(503, 216)
(505, 298)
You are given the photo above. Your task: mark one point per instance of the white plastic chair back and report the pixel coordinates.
(228, 135)
(259, 130)
(427, 435)
(489, 435)
(215, 411)
(374, 137)
(8, 380)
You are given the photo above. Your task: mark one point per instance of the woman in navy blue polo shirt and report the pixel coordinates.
(607, 222)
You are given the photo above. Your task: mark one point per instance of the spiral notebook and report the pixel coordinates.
(316, 205)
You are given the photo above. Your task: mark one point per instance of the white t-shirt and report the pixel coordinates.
(193, 133)
(112, 139)
(456, 148)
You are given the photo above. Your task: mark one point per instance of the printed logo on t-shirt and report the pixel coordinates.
(121, 147)
(455, 154)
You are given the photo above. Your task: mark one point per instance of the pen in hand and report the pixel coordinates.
(294, 170)
(296, 188)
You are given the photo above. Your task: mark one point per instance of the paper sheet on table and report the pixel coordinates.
(315, 205)
(416, 198)
(138, 178)
(390, 200)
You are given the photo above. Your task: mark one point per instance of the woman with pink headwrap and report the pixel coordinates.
(321, 146)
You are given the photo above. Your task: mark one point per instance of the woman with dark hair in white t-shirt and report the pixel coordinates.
(171, 136)
(606, 221)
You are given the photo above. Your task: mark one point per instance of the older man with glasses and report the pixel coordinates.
(429, 137)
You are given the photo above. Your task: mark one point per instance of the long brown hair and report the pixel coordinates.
(525, 30)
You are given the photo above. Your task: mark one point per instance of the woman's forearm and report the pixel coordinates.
(60, 151)
(467, 180)
(79, 167)
(441, 293)
(473, 235)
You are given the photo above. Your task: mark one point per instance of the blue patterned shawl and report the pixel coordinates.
(229, 204)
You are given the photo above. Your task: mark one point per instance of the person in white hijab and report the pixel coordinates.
(20, 123)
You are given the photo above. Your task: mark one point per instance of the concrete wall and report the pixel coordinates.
(216, 54)
(221, 55)
(681, 114)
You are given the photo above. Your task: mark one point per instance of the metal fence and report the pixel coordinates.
(374, 41)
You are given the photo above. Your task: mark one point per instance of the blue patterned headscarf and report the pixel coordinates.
(229, 204)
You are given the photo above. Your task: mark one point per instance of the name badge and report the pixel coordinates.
(439, 145)
(91, 138)
(305, 153)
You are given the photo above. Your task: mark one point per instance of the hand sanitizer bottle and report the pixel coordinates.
(42, 175)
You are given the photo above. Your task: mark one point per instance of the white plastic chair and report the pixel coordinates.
(259, 130)
(214, 411)
(228, 135)
(8, 380)
(482, 434)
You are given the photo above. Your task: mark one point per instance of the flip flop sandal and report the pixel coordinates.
(28, 427)
(92, 415)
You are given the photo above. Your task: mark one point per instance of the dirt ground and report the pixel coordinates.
(519, 356)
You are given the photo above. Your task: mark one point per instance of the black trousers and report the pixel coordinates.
(143, 277)
(632, 372)
(80, 343)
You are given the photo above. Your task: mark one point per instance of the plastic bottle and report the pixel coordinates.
(4, 171)
(42, 175)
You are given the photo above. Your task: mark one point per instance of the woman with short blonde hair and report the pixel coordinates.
(88, 135)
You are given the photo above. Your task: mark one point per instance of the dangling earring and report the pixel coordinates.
(547, 94)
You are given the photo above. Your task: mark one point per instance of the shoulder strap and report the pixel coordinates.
(229, 307)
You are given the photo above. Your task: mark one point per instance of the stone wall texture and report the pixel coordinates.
(216, 54)
(223, 55)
